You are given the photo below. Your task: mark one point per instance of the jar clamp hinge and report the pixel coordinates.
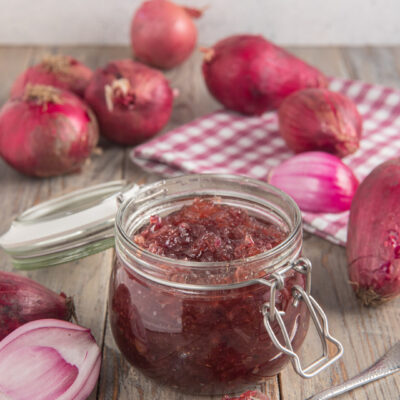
(270, 312)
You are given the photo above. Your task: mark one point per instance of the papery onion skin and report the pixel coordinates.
(251, 75)
(319, 182)
(320, 120)
(23, 300)
(63, 72)
(54, 359)
(47, 136)
(373, 241)
(136, 115)
(163, 34)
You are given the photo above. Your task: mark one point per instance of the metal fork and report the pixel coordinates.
(388, 364)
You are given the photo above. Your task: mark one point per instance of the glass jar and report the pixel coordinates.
(199, 327)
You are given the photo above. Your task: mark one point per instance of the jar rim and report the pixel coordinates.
(289, 240)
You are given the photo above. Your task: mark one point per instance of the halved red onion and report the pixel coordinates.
(317, 181)
(49, 359)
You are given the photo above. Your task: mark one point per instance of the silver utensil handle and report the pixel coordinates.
(387, 365)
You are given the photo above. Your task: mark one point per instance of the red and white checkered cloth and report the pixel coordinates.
(226, 142)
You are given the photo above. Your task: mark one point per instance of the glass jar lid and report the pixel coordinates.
(81, 223)
(67, 228)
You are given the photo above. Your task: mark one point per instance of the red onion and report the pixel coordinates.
(132, 102)
(163, 34)
(251, 75)
(23, 300)
(60, 71)
(318, 119)
(48, 359)
(373, 241)
(46, 132)
(249, 395)
(317, 181)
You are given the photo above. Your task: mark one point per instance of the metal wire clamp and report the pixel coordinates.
(270, 313)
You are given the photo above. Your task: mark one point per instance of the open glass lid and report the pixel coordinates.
(67, 228)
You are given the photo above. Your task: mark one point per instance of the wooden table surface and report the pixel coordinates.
(365, 333)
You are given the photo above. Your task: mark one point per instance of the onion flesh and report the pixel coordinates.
(47, 132)
(23, 300)
(53, 359)
(251, 75)
(373, 241)
(320, 120)
(63, 72)
(163, 34)
(132, 101)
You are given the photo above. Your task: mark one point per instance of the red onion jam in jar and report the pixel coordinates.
(209, 327)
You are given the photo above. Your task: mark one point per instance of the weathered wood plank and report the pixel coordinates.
(13, 61)
(373, 64)
(327, 59)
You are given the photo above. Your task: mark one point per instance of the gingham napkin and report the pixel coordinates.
(226, 142)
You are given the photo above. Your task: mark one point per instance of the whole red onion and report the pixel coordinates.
(49, 359)
(60, 71)
(132, 101)
(373, 241)
(46, 132)
(23, 300)
(163, 34)
(251, 75)
(318, 119)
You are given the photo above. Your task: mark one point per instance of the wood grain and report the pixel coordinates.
(365, 333)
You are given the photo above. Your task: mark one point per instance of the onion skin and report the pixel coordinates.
(136, 115)
(319, 182)
(373, 241)
(163, 34)
(320, 120)
(23, 300)
(53, 359)
(63, 72)
(251, 75)
(41, 137)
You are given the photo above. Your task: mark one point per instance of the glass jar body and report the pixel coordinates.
(199, 327)
(201, 342)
